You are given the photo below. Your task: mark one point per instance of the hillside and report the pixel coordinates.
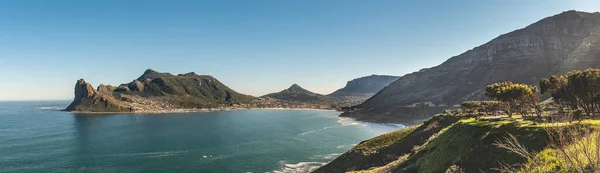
(360, 89)
(440, 143)
(557, 44)
(154, 91)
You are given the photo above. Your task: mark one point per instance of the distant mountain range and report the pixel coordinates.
(554, 45)
(356, 91)
(163, 92)
(365, 86)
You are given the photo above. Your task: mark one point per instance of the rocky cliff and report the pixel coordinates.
(368, 85)
(87, 99)
(560, 43)
(358, 90)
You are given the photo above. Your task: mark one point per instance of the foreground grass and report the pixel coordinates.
(373, 145)
(461, 141)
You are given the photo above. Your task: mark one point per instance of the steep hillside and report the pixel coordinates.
(154, 91)
(440, 143)
(567, 41)
(368, 85)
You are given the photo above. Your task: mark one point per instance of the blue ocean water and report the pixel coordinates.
(38, 137)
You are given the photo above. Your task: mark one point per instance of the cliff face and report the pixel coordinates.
(365, 86)
(557, 44)
(87, 99)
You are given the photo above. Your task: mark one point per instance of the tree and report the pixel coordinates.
(515, 96)
(471, 106)
(576, 89)
(490, 106)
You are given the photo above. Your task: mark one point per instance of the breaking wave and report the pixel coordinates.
(301, 167)
(146, 154)
(51, 108)
(345, 121)
(312, 131)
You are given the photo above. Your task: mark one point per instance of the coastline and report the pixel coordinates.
(166, 111)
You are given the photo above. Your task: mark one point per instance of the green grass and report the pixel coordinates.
(470, 145)
(373, 145)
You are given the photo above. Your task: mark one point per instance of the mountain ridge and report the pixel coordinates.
(553, 45)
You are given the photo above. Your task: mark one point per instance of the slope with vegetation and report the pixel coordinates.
(513, 132)
(553, 45)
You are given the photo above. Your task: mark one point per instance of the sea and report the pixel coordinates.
(36, 136)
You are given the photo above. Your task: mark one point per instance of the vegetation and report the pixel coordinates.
(575, 90)
(563, 136)
(515, 96)
(373, 145)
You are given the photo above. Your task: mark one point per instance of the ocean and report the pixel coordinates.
(35, 136)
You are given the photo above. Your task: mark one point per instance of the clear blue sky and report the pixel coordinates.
(255, 47)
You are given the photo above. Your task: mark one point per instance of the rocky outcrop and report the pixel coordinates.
(554, 45)
(106, 89)
(87, 99)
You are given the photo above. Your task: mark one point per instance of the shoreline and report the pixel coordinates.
(166, 111)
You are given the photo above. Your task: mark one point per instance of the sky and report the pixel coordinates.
(255, 47)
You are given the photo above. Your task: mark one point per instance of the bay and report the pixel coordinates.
(35, 136)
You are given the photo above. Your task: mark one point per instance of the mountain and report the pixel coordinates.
(300, 96)
(368, 85)
(553, 45)
(154, 91)
(358, 90)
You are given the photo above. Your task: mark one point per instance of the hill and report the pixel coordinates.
(440, 143)
(296, 96)
(154, 91)
(553, 45)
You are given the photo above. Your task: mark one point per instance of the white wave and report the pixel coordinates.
(51, 108)
(345, 121)
(346, 146)
(312, 131)
(149, 154)
(325, 156)
(301, 167)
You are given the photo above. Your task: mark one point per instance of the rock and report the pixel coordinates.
(136, 85)
(89, 100)
(106, 89)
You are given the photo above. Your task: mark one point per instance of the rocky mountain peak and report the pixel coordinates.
(295, 86)
(83, 89)
(150, 74)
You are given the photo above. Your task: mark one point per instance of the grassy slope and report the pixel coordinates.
(386, 148)
(468, 143)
